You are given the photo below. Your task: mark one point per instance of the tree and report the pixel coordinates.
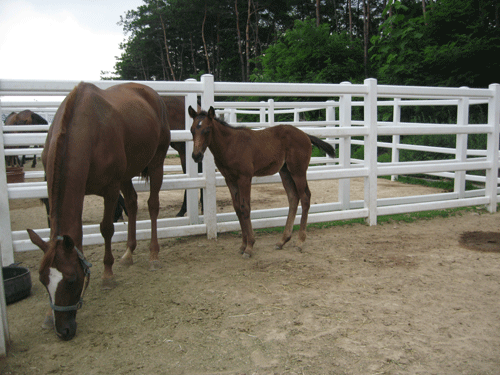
(310, 53)
(456, 43)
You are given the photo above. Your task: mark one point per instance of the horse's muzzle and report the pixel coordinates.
(198, 157)
(65, 326)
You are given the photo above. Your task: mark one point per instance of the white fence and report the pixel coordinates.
(336, 101)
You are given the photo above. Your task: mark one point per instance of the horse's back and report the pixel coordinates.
(120, 130)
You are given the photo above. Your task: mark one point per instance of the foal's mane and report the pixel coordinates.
(220, 121)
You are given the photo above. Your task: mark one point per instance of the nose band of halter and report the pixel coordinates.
(86, 269)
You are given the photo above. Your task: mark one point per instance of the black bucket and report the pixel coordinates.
(17, 283)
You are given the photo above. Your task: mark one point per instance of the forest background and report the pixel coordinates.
(450, 43)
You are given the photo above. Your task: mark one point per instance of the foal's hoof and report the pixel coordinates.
(246, 255)
(278, 246)
(154, 265)
(108, 283)
(48, 323)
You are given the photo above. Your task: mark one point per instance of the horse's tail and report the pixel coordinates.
(322, 145)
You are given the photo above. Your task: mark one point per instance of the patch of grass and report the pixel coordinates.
(409, 217)
(444, 184)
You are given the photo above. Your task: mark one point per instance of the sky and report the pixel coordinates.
(60, 39)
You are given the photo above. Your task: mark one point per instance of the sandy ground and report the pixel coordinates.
(397, 298)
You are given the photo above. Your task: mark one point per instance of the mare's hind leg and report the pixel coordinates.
(156, 179)
(130, 197)
(107, 231)
(293, 202)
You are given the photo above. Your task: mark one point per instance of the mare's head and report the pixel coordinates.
(201, 130)
(65, 273)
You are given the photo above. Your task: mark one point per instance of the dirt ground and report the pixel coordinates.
(397, 298)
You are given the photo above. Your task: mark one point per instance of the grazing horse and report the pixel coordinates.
(98, 141)
(25, 117)
(242, 153)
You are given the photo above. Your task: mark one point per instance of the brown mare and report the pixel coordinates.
(25, 117)
(177, 118)
(98, 141)
(241, 153)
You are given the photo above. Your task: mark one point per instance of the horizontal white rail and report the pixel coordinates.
(334, 101)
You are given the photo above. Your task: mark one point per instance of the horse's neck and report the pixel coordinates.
(67, 192)
(221, 137)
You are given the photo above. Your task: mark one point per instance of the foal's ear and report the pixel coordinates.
(37, 240)
(211, 113)
(192, 112)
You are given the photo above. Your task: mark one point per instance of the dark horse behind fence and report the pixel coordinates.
(25, 117)
(98, 141)
(177, 118)
(242, 153)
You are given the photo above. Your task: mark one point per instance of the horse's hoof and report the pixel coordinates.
(108, 283)
(278, 246)
(127, 260)
(154, 265)
(246, 255)
(48, 323)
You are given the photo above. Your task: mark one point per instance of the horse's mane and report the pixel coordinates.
(36, 119)
(48, 258)
(59, 152)
(220, 121)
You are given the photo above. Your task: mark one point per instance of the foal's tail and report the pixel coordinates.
(322, 145)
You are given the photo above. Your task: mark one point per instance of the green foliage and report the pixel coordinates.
(308, 53)
(455, 44)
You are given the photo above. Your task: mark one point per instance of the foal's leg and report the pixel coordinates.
(107, 231)
(241, 204)
(155, 180)
(244, 188)
(293, 203)
(130, 197)
(305, 202)
(235, 196)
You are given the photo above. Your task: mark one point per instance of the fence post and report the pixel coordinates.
(270, 112)
(396, 120)
(209, 195)
(6, 245)
(461, 146)
(262, 114)
(492, 147)
(191, 166)
(4, 324)
(370, 121)
(345, 118)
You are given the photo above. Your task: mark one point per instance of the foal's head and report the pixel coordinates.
(201, 131)
(65, 273)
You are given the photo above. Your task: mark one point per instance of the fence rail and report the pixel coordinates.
(336, 102)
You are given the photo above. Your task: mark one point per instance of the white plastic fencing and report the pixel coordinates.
(336, 100)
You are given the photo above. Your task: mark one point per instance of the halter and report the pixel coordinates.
(86, 269)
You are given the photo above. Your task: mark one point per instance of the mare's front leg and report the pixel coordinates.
(130, 197)
(107, 231)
